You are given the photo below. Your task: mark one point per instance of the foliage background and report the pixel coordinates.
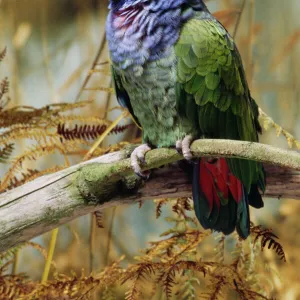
(51, 46)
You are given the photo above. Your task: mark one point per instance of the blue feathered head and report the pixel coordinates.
(156, 4)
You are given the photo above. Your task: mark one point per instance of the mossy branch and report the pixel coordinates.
(52, 200)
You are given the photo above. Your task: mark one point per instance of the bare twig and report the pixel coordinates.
(239, 19)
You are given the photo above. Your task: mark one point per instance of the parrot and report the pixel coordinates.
(179, 73)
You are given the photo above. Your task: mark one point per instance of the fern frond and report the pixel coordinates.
(23, 131)
(238, 256)
(246, 294)
(72, 118)
(49, 114)
(108, 294)
(31, 154)
(14, 182)
(136, 273)
(99, 218)
(187, 290)
(6, 152)
(15, 287)
(167, 280)
(159, 203)
(86, 131)
(3, 54)
(217, 291)
(220, 248)
(75, 287)
(4, 88)
(8, 255)
(267, 237)
(64, 107)
(268, 122)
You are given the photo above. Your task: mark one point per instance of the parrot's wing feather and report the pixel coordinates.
(122, 95)
(210, 70)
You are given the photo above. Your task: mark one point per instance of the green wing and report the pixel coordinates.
(210, 69)
(122, 95)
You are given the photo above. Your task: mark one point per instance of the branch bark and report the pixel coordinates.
(55, 199)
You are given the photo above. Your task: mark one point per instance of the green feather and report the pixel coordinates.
(212, 81)
(211, 72)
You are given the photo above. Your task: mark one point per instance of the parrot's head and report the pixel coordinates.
(155, 4)
(124, 4)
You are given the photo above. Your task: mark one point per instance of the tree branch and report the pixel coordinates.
(58, 198)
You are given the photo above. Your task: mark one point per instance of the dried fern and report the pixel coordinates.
(31, 154)
(49, 114)
(108, 294)
(268, 122)
(267, 237)
(4, 88)
(159, 203)
(9, 254)
(6, 152)
(99, 218)
(220, 248)
(187, 290)
(86, 131)
(3, 54)
(136, 273)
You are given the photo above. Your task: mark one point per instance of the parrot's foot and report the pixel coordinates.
(138, 158)
(183, 146)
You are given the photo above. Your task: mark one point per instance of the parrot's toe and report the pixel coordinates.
(179, 146)
(183, 146)
(138, 158)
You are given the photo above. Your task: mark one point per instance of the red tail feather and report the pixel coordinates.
(217, 181)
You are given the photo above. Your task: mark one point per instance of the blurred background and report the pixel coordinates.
(52, 45)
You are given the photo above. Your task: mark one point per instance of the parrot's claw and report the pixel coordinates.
(179, 146)
(183, 147)
(138, 158)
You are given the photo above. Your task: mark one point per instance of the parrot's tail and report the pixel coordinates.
(220, 199)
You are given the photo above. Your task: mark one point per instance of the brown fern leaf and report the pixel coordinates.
(49, 114)
(45, 172)
(267, 237)
(15, 287)
(136, 273)
(10, 253)
(217, 288)
(86, 131)
(167, 280)
(194, 266)
(14, 181)
(159, 203)
(181, 206)
(4, 88)
(220, 248)
(99, 218)
(108, 294)
(6, 152)
(176, 208)
(31, 154)
(245, 294)
(167, 277)
(74, 287)
(3, 54)
(186, 203)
